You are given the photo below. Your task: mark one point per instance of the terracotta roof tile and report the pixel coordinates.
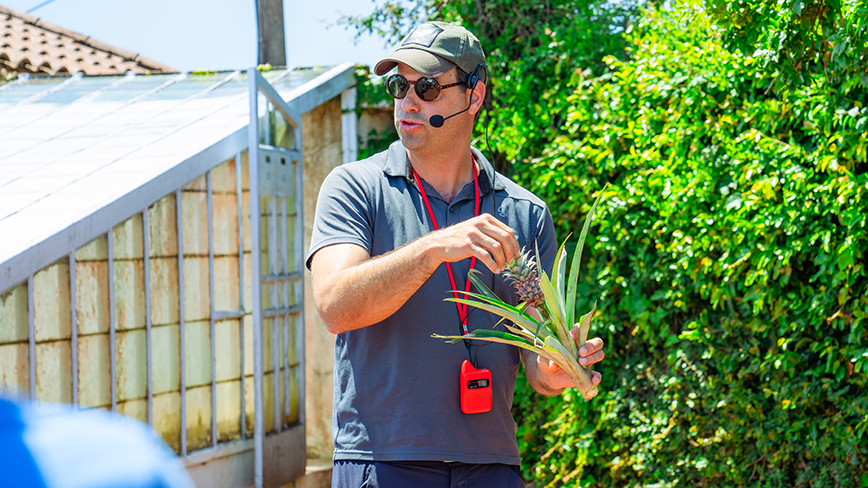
(31, 45)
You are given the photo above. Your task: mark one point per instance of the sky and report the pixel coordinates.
(193, 35)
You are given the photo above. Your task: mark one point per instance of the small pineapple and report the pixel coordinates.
(522, 272)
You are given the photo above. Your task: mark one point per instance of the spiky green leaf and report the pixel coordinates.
(559, 272)
(554, 306)
(499, 337)
(474, 277)
(493, 301)
(577, 259)
(521, 319)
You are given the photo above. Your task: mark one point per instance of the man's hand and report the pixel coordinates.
(549, 379)
(484, 237)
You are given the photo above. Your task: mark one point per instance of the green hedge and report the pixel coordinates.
(729, 259)
(729, 265)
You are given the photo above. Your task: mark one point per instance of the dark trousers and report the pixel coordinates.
(424, 474)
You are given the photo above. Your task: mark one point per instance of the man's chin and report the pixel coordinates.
(410, 141)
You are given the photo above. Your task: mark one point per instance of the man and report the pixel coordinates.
(381, 272)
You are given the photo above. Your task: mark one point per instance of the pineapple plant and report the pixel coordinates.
(523, 275)
(554, 298)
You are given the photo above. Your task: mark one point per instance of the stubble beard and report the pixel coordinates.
(412, 141)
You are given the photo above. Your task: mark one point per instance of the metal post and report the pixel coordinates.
(299, 266)
(73, 320)
(267, 139)
(31, 336)
(239, 199)
(178, 222)
(213, 309)
(256, 271)
(275, 303)
(112, 343)
(284, 247)
(349, 126)
(148, 362)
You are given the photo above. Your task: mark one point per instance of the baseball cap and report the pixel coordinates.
(436, 47)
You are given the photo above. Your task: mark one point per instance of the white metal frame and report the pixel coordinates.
(268, 169)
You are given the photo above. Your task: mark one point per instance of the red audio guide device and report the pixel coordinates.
(475, 389)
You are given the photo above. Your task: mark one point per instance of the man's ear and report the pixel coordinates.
(478, 98)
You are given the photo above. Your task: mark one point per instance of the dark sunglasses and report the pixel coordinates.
(427, 89)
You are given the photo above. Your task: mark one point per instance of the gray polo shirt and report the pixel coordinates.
(396, 389)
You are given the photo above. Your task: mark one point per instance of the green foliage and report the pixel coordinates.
(729, 259)
(731, 270)
(801, 39)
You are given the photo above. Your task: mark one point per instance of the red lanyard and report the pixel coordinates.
(462, 309)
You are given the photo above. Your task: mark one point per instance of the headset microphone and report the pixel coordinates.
(437, 120)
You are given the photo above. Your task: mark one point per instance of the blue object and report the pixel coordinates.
(16, 462)
(54, 446)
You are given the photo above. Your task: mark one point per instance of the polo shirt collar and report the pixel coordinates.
(398, 164)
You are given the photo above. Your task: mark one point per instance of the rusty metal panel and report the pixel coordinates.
(94, 371)
(167, 418)
(164, 291)
(129, 293)
(166, 358)
(132, 374)
(229, 410)
(163, 230)
(198, 417)
(92, 296)
(15, 364)
(13, 315)
(54, 372)
(51, 305)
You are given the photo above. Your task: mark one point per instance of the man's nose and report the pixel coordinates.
(410, 103)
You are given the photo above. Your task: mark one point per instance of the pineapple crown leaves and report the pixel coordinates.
(549, 337)
(521, 269)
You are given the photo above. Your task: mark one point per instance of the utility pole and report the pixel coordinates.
(272, 39)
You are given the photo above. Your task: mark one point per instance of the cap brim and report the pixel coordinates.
(420, 61)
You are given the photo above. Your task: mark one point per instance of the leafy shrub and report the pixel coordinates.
(730, 266)
(729, 262)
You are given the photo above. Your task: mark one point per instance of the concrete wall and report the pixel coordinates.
(322, 153)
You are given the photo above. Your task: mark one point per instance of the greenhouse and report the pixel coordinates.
(132, 276)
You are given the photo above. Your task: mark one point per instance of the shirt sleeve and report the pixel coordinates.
(343, 213)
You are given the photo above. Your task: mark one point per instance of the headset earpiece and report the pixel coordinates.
(473, 79)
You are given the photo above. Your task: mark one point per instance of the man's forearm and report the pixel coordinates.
(373, 290)
(353, 291)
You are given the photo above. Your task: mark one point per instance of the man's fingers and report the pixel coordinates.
(590, 347)
(494, 248)
(592, 358)
(484, 237)
(596, 377)
(482, 255)
(502, 233)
